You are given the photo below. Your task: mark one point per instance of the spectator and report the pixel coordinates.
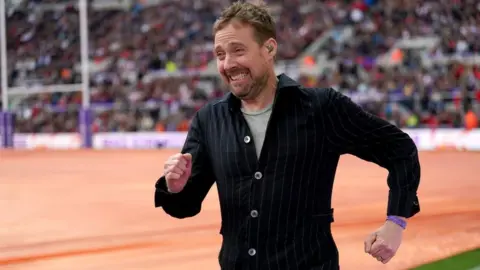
(471, 120)
(132, 50)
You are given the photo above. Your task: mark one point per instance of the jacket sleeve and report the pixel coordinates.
(350, 129)
(188, 202)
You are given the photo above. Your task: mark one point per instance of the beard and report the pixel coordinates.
(250, 90)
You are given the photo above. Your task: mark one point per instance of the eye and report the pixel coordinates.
(220, 55)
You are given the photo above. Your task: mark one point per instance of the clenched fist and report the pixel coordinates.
(384, 243)
(177, 170)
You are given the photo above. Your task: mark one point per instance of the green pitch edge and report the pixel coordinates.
(469, 260)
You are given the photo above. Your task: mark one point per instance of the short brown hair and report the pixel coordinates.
(255, 15)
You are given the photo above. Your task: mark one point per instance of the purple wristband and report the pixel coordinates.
(400, 222)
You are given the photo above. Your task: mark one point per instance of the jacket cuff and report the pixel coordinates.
(403, 203)
(161, 192)
(173, 204)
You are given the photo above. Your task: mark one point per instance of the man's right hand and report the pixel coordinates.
(177, 170)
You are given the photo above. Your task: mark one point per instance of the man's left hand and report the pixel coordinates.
(384, 243)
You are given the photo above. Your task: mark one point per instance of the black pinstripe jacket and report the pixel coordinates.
(276, 210)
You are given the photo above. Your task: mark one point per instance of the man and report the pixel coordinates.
(272, 147)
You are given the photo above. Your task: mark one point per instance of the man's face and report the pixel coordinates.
(242, 62)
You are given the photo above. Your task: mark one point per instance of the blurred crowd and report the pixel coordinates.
(411, 94)
(132, 49)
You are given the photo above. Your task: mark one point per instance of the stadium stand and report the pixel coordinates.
(415, 63)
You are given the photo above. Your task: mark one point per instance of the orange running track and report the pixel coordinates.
(93, 210)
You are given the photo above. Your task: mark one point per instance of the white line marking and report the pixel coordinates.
(475, 268)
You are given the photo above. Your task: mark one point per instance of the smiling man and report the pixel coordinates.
(272, 147)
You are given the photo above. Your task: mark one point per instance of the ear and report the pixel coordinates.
(271, 47)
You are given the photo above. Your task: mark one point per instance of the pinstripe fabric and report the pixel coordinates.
(276, 211)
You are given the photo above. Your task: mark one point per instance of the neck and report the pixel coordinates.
(264, 98)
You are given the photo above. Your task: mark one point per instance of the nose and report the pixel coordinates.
(229, 63)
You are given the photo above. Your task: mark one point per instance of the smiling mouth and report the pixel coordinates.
(238, 76)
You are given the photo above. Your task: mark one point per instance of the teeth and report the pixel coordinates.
(238, 76)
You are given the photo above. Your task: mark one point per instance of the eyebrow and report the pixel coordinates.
(232, 43)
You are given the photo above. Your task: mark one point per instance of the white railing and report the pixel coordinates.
(425, 139)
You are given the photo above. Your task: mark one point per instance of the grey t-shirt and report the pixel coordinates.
(257, 122)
